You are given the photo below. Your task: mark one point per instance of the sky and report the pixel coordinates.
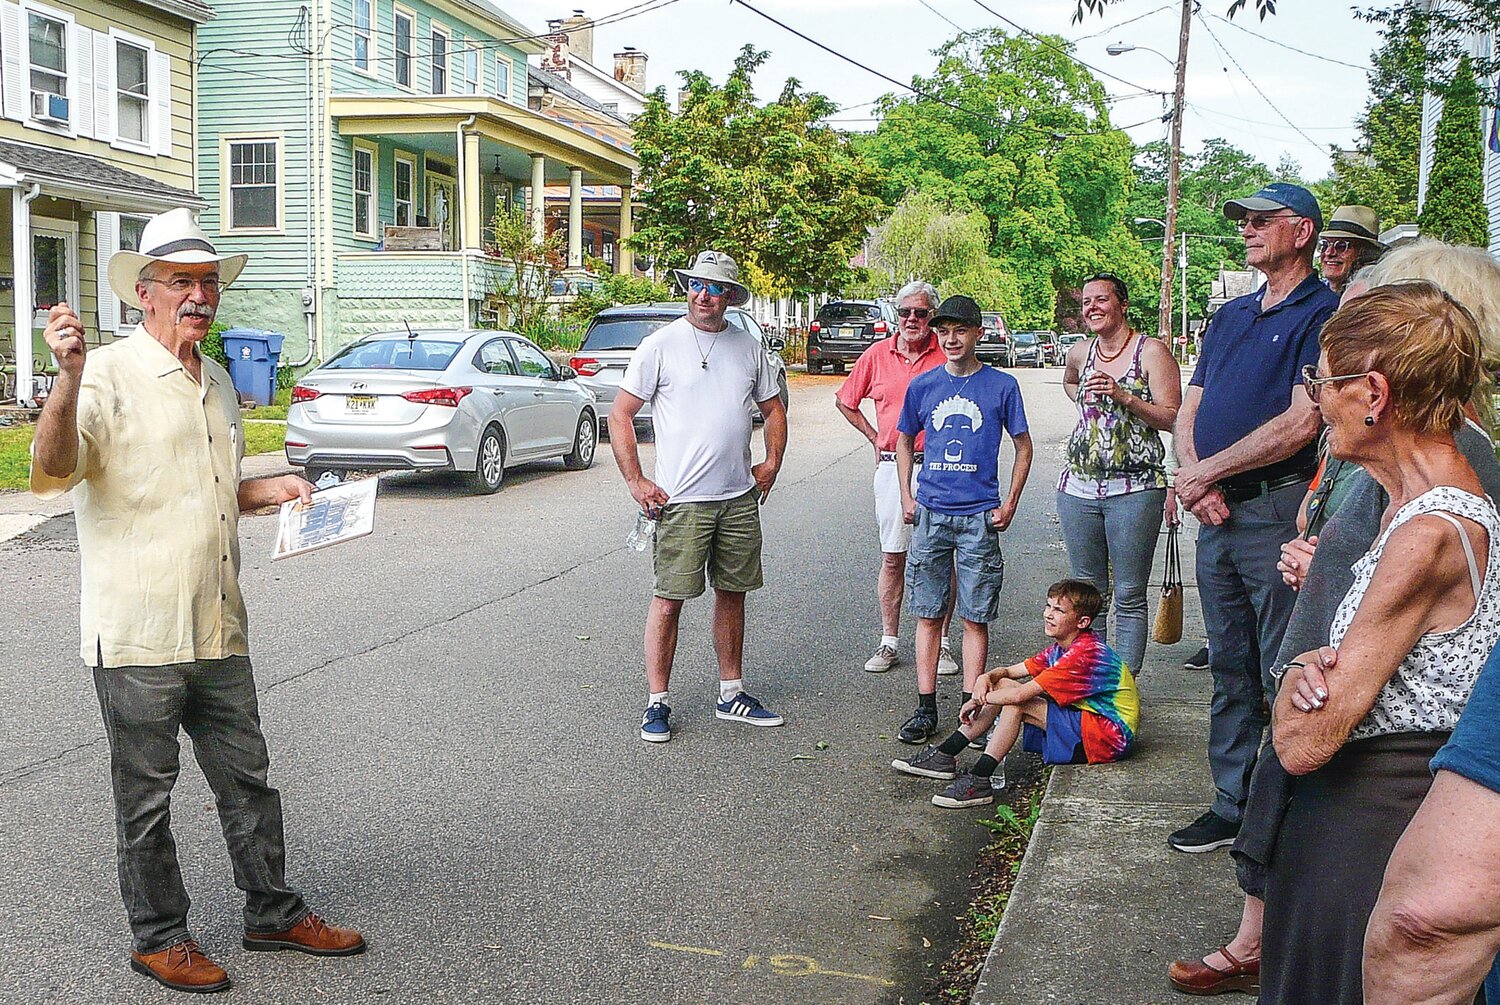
(1241, 85)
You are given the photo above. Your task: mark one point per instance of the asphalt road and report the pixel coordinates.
(452, 707)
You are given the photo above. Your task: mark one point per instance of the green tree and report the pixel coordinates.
(923, 239)
(1454, 210)
(1445, 28)
(1382, 172)
(527, 267)
(765, 183)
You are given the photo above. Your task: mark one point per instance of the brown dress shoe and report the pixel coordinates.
(182, 967)
(311, 935)
(1194, 977)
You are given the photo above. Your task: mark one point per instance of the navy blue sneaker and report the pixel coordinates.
(654, 725)
(743, 708)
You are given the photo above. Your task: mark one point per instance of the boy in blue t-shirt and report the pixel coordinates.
(958, 512)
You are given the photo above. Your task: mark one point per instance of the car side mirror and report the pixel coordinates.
(565, 372)
(775, 343)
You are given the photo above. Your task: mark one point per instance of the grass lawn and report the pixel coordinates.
(264, 437)
(15, 448)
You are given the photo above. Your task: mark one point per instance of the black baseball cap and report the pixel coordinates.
(961, 309)
(1279, 195)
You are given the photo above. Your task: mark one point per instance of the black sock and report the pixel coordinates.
(927, 701)
(955, 744)
(985, 766)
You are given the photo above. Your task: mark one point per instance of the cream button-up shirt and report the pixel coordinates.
(156, 500)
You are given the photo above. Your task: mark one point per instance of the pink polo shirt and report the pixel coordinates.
(882, 374)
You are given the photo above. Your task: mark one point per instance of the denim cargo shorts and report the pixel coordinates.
(940, 541)
(720, 537)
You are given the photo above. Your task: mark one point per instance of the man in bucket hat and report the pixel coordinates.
(700, 373)
(1349, 242)
(148, 433)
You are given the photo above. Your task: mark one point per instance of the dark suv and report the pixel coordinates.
(845, 328)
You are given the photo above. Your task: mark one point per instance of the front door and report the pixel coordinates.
(441, 211)
(54, 273)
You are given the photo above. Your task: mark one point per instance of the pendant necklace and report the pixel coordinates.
(958, 388)
(703, 356)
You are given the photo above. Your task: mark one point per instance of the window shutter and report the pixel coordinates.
(104, 87)
(12, 73)
(161, 102)
(81, 72)
(106, 237)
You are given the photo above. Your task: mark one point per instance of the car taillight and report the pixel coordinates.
(449, 396)
(300, 393)
(815, 328)
(880, 328)
(585, 366)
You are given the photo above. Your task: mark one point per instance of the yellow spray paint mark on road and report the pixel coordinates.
(782, 964)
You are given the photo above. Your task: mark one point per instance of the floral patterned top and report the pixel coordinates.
(1111, 452)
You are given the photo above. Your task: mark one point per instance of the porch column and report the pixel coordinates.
(624, 257)
(20, 239)
(575, 218)
(473, 238)
(539, 197)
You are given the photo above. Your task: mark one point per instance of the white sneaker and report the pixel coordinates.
(883, 660)
(947, 665)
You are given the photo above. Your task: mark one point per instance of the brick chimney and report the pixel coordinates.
(555, 59)
(630, 68)
(580, 32)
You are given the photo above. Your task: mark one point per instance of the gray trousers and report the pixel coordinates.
(1246, 607)
(214, 702)
(1111, 543)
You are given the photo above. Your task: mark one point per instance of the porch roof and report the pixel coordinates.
(603, 159)
(96, 183)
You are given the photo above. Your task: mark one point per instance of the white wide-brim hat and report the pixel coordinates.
(715, 267)
(173, 236)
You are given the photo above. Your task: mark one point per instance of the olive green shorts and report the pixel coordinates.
(722, 537)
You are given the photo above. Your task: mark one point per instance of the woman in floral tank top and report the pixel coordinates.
(1113, 491)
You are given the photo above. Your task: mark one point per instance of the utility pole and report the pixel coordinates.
(1164, 324)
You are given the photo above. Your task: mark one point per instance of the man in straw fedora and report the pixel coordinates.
(146, 431)
(701, 373)
(1348, 242)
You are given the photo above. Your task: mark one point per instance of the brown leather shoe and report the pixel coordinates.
(311, 935)
(182, 967)
(1194, 977)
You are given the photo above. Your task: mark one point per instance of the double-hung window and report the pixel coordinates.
(403, 184)
(132, 92)
(364, 191)
(47, 51)
(439, 61)
(254, 198)
(471, 70)
(403, 33)
(502, 77)
(363, 16)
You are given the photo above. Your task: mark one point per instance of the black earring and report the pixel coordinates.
(1369, 420)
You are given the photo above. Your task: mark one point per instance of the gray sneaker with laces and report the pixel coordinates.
(968, 790)
(884, 659)
(929, 762)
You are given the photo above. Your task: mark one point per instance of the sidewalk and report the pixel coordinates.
(1102, 905)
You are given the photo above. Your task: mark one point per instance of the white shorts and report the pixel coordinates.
(895, 533)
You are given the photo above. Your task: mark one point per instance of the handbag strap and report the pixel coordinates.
(1172, 573)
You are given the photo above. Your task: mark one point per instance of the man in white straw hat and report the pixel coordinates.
(147, 433)
(1349, 241)
(701, 373)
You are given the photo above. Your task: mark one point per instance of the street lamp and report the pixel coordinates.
(1120, 48)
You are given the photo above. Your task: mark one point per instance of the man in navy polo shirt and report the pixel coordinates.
(1245, 445)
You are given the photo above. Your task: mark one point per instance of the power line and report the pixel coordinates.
(1249, 80)
(940, 14)
(1048, 43)
(1131, 20)
(1292, 48)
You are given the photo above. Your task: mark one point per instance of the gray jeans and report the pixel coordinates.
(1111, 543)
(1246, 607)
(214, 702)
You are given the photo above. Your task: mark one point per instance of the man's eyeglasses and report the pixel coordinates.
(1314, 383)
(182, 285)
(712, 289)
(1338, 246)
(920, 313)
(1260, 221)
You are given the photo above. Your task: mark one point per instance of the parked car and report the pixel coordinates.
(1066, 341)
(1051, 348)
(1028, 349)
(994, 344)
(440, 400)
(843, 329)
(616, 332)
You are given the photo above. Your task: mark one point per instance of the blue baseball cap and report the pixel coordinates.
(1279, 195)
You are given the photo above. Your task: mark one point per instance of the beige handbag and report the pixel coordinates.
(1168, 628)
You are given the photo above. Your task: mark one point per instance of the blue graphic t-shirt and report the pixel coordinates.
(964, 418)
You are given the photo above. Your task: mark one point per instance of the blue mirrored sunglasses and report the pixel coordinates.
(712, 289)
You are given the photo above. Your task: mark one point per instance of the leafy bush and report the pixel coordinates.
(558, 334)
(610, 291)
(212, 346)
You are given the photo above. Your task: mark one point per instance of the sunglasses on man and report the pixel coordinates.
(712, 289)
(920, 313)
(1260, 221)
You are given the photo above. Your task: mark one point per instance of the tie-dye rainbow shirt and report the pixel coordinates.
(1091, 677)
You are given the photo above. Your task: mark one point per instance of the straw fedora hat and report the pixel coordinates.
(1354, 223)
(173, 236)
(715, 267)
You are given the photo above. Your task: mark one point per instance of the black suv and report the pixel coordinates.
(845, 328)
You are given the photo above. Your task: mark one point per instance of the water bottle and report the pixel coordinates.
(640, 536)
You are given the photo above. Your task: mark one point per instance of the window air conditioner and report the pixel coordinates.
(49, 107)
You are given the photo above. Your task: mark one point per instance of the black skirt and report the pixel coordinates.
(1328, 862)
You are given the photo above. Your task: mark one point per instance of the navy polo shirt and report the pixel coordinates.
(1249, 363)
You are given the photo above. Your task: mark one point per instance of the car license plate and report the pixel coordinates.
(359, 403)
(846, 333)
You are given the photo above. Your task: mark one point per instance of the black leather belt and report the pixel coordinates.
(1245, 491)
(890, 455)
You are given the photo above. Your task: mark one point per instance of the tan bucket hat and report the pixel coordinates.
(173, 236)
(1354, 223)
(715, 267)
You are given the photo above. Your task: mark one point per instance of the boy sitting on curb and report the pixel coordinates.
(1078, 704)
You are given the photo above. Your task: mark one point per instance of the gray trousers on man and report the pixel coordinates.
(214, 702)
(1246, 607)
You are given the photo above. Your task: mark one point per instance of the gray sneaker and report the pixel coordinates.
(967, 790)
(947, 666)
(929, 762)
(883, 660)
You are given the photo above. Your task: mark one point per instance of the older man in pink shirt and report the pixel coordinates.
(881, 374)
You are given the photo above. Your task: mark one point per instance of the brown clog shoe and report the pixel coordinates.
(311, 935)
(182, 967)
(1194, 977)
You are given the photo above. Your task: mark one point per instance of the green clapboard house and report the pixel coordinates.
(357, 150)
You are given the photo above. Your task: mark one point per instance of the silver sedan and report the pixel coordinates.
(436, 400)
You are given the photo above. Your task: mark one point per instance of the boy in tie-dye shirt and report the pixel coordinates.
(1074, 703)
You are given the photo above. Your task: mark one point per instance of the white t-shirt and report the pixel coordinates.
(701, 413)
